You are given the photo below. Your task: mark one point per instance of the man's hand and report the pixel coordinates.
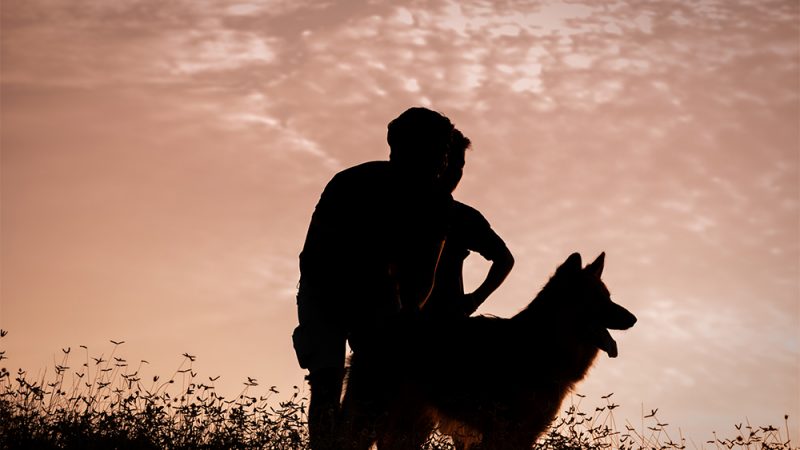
(471, 302)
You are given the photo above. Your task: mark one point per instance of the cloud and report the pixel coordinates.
(217, 50)
(281, 136)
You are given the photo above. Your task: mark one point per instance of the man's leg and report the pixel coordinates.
(321, 349)
(324, 408)
(319, 342)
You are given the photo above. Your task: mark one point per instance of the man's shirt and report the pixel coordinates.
(469, 231)
(368, 222)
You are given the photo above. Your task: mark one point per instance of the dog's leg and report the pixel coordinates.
(516, 442)
(507, 438)
(404, 439)
(464, 437)
(408, 426)
(358, 430)
(359, 420)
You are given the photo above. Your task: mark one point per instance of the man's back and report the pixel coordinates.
(367, 219)
(344, 251)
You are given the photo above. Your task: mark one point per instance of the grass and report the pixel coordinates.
(105, 404)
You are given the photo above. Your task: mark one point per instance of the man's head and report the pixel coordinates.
(455, 161)
(419, 140)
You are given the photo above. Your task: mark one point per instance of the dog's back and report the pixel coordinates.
(495, 380)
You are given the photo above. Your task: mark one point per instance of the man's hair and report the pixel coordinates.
(419, 136)
(458, 147)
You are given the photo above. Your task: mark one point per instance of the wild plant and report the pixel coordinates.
(102, 402)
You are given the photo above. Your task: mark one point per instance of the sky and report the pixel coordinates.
(161, 160)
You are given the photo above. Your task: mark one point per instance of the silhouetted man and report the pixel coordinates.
(469, 231)
(371, 249)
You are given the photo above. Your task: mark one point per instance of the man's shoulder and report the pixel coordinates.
(364, 170)
(463, 210)
(358, 178)
(464, 215)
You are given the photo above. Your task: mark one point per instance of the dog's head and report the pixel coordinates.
(588, 305)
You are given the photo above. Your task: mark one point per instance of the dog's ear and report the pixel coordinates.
(572, 264)
(596, 268)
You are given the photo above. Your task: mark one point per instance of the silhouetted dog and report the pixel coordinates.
(489, 381)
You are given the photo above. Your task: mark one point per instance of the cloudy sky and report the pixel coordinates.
(161, 160)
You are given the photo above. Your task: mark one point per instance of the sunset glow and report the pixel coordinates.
(161, 160)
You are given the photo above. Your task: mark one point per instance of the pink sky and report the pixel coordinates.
(160, 162)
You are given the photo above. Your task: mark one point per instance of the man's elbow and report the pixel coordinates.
(508, 260)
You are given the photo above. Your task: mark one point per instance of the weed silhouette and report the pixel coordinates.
(103, 403)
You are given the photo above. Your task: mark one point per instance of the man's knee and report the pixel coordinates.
(326, 382)
(319, 347)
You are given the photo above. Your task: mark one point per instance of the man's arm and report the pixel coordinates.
(417, 272)
(480, 237)
(502, 263)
